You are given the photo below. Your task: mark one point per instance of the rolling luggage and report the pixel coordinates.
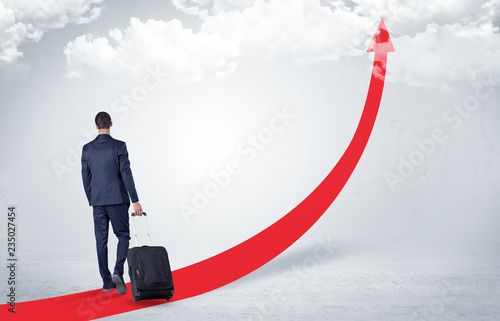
(149, 270)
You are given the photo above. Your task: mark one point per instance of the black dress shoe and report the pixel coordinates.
(120, 284)
(108, 287)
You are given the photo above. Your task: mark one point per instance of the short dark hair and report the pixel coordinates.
(103, 120)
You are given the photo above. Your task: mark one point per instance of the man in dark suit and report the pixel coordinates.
(108, 182)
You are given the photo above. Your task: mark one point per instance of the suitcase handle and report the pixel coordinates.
(147, 228)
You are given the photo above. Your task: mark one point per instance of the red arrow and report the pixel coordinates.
(248, 256)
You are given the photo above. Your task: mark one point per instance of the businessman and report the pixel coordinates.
(109, 185)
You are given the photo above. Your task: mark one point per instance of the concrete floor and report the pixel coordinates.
(323, 281)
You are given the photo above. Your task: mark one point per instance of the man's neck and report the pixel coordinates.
(104, 131)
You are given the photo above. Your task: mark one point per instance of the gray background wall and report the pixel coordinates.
(226, 67)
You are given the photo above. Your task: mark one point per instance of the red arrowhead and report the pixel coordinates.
(381, 41)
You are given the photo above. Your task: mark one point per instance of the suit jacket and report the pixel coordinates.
(107, 177)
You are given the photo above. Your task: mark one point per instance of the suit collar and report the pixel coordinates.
(103, 136)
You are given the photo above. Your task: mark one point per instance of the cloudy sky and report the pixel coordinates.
(267, 91)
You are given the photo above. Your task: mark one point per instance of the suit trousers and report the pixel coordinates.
(118, 215)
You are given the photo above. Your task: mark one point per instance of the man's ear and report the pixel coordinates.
(97, 127)
(110, 124)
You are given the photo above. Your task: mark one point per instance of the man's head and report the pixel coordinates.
(103, 120)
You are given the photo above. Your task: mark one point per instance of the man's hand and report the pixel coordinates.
(137, 209)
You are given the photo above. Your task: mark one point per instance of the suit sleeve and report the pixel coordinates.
(86, 175)
(126, 172)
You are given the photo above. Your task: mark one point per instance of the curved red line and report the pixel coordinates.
(248, 256)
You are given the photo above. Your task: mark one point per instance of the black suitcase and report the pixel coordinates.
(149, 270)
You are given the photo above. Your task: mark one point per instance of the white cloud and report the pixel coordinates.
(435, 42)
(409, 17)
(184, 55)
(449, 53)
(268, 30)
(305, 30)
(25, 20)
(204, 8)
(93, 53)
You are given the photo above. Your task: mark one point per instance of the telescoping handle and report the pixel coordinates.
(147, 228)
